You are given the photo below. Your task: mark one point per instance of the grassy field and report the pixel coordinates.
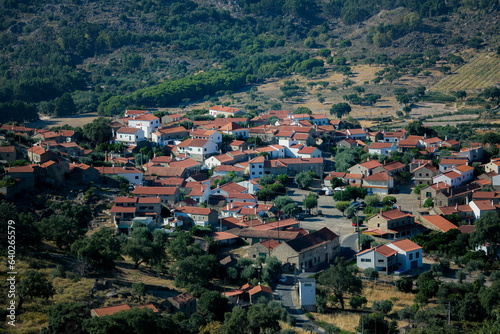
(348, 321)
(75, 121)
(480, 72)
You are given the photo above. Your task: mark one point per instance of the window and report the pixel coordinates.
(366, 260)
(380, 261)
(417, 255)
(411, 257)
(199, 150)
(137, 177)
(129, 137)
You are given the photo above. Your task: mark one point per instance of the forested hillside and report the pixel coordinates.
(110, 55)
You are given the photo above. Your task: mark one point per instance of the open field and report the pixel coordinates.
(482, 71)
(75, 121)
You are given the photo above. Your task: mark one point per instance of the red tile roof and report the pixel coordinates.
(194, 210)
(110, 310)
(225, 109)
(260, 288)
(382, 176)
(270, 244)
(7, 149)
(117, 170)
(380, 145)
(406, 245)
(385, 250)
(127, 130)
(193, 143)
(372, 164)
(395, 214)
(146, 117)
(123, 209)
(440, 222)
(154, 191)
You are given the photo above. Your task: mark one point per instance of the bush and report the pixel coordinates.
(383, 306)
(357, 302)
(404, 284)
(371, 273)
(428, 203)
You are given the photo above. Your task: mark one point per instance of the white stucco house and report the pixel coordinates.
(256, 167)
(147, 122)
(129, 136)
(401, 255)
(382, 148)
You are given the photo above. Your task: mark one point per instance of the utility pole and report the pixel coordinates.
(357, 227)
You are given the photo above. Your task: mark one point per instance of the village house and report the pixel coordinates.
(456, 176)
(226, 111)
(238, 145)
(365, 168)
(409, 254)
(449, 163)
(447, 196)
(212, 135)
(103, 311)
(309, 251)
(381, 148)
(234, 129)
(424, 174)
(169, 136)
(356, 134)
(7, 154)
(196, 216)
(131, 174)
(479, 208)
(148, 123)
(437, 223)
(167, 195)
(184, 303)
(409, 143)
(198, 149)
(38, 154)
(83, 173)
(347, 143)
(392, 224)
(129, 136)
(379, 183)
(381, 258)
(471, 153)
(492, 166)
(317, 119)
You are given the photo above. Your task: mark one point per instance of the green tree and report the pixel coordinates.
(372, 200)
(99, 249)
(27, 235)
(304, 180)
(427, 288)
(144, 246)
(281, 201)
(404, 284)
(487, 230)
(291, 209)
(342, 206)
(194, 270)
(140, 289)
(235, 322)
(283, 179)
(66, 318)
(98, 131)
(136, 320)
(311, 201)
(374, 323)
(262, 318)
(336, 182)
(383, 306)
(34, 284)
(342, 280)
(212, 306)
(357, 302)
(340, 109)
(388, 201)
(62, 230)
(179, 248)
(428, 203)
(267, 179)
(65, 106)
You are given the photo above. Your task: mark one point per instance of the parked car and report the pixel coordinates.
(320, 213)
(355, 205)
(328, 191)
(321, 192)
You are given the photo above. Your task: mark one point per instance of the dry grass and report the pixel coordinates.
(30, 322)
(68, 291)
(374, 292)
(345, 321)
(284, 326)
(78, 120)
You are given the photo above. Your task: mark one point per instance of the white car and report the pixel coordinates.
(328, 191)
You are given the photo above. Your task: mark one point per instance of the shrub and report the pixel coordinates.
(383, 306)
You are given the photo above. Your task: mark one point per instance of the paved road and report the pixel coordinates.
(288, 296)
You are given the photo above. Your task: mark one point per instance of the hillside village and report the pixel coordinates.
(268, 187)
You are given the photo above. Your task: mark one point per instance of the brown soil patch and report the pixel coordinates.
(74, 121)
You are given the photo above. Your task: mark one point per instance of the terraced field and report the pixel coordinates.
(482, 71)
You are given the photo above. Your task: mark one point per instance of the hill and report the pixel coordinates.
(121, 54)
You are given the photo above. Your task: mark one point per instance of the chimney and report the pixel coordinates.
(399, 207)
(380, 211)
(232, 205)
(227, 206)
